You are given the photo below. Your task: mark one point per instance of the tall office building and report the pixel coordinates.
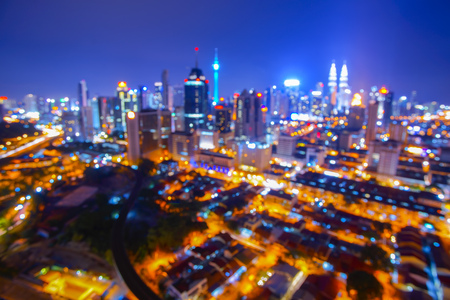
(106, 113)
(133, 140)
(178, 119)
(292, 88)
(384, 156)
(126, 100)
(398, 132)
(356, 114)
(195, 100)
(30, 103)
(388, 109)
(143, 98)
(71, 126)
(155, 129)
(178, 95)
(344, 91)
(86, 116)
(216, 67)
(249, 123)
(157, 102)
(2, 107)
(332, 86)
(223, 118)
(317, 104)
(372, 118)
(166, 103)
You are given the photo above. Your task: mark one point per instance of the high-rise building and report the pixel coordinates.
(372, 118)
(195, 100)
(286, 144)
(356, 114)
(157, 102)
(253, 156)
(165, 90)
(178, 95)
(344, 90)
(223, 118)
(106, 113)
(30, 103)
(2, 107)
(403, 106)
(71, 126)
(126, 100)
(86, 115)
(388, 109)
(183, 145)
(178, 119)
(292, 88)
(384, 156)
(155, 129)
(216, 67)
(332, 86)
(143, 98)
(249, 124)
(133, 140)
(317, 104)
(398, 132)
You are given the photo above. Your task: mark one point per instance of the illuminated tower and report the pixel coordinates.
(195, 99)
(332, 84)
(216, 67)
(344, 91)
(134, 147)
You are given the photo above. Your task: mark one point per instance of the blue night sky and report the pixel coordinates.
(48, 46)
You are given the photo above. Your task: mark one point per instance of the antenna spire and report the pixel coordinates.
(196, 57)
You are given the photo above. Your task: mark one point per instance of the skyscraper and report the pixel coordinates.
(127, 100)
(344, 91)
(165, 89)
(356, 114)
(134, 147)
(249, 119)
(371, 129)
(292, 87)
(30, 103)
(195, 100)
(216, 67)
(223, 118)
(388, 109)
(86, 116)
(143, 98)
(332, 86)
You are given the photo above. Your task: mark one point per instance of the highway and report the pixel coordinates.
(121, 260)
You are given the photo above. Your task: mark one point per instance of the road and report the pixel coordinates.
(121, 260)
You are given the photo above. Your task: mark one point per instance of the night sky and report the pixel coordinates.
(48, 46)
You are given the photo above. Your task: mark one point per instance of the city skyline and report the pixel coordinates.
(73, 47)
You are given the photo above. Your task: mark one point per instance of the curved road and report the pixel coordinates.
(121, 260)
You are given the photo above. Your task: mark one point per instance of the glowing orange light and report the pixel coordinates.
(3, 98)
(259, 95)
(131, 115)
(122, 84)
(198, 79)
(383, 90)
(222, 99)
(218, 107)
